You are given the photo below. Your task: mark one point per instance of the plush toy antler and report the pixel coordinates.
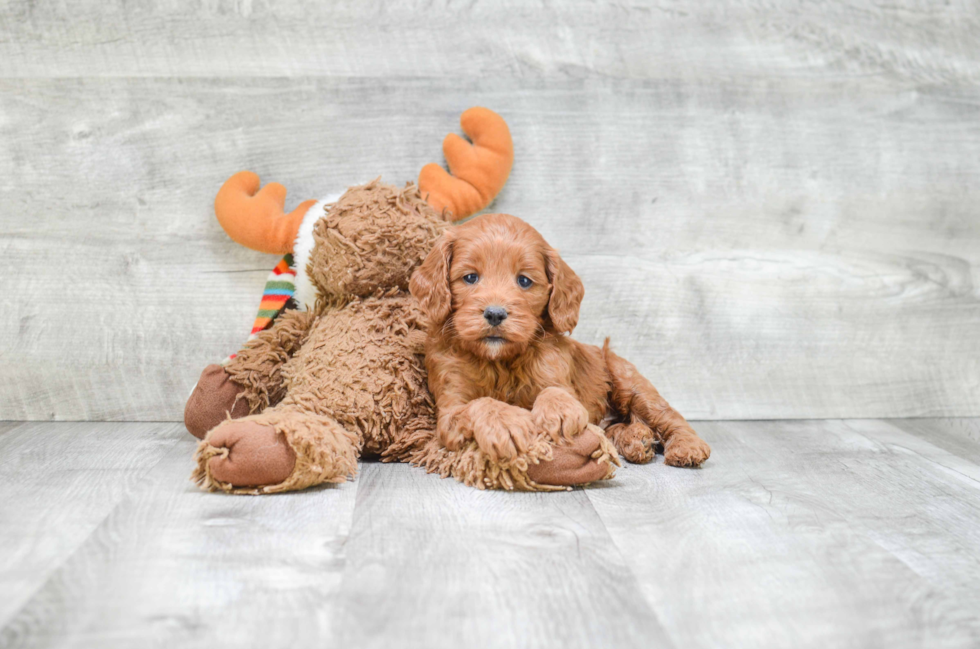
(479, 170)
(256, 218)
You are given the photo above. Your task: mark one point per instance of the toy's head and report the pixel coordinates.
(374, 236)
(371, 240)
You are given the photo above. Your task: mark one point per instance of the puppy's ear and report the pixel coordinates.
(430, 281)
(566, 293)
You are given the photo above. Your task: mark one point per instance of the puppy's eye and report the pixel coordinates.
(524, 281)
(471, 278)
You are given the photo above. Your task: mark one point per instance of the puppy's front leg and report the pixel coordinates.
(501, 430)
(559, 414)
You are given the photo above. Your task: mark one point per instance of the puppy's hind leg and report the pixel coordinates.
(635, 397)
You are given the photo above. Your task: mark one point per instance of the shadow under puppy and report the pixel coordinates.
(499, 300)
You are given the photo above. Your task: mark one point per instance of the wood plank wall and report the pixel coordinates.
(775, 206)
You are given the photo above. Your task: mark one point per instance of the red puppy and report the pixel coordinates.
(500, 300)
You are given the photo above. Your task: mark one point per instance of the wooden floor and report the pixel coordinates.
(839, 533)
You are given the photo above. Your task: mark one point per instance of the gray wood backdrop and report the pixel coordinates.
(775, 206)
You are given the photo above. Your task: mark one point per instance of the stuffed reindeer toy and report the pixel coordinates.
(340, 373)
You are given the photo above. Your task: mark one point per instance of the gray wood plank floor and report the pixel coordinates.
(842, 533)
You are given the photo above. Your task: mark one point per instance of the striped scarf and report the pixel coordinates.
(279, 288)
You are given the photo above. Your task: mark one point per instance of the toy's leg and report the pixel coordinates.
(252, 381)
(588, 458)
(545, 466)
(635, 397)
(281, 449)
(215, 398)
(580, 452)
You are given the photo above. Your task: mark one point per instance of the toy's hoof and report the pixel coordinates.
(581, 462)
(254, 454)
(213, 399)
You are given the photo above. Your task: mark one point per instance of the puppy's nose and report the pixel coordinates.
(495, 315)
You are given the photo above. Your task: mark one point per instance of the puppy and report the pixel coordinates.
(500, 301)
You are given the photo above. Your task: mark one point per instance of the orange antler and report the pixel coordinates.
(256, 219)
(479, 171)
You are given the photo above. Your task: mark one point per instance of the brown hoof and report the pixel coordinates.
(256, 454)
(574, 464)
(214, 397)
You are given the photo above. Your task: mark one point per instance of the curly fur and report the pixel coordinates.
(372, 239)
(258, 366)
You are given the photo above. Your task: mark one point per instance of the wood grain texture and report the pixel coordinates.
(58, 483)
(432, 563)
(179, 567)
(850, 533)
(7, 426)
(773, 205)
(959, 436)
(835, 533)
(931, 42)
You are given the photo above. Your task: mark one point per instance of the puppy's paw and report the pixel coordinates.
(503, 431)
(249, 454)
(686, 449)
(558, 414)
(588, 458)
(636, 442)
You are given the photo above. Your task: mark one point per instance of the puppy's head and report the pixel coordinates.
(496, 285)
